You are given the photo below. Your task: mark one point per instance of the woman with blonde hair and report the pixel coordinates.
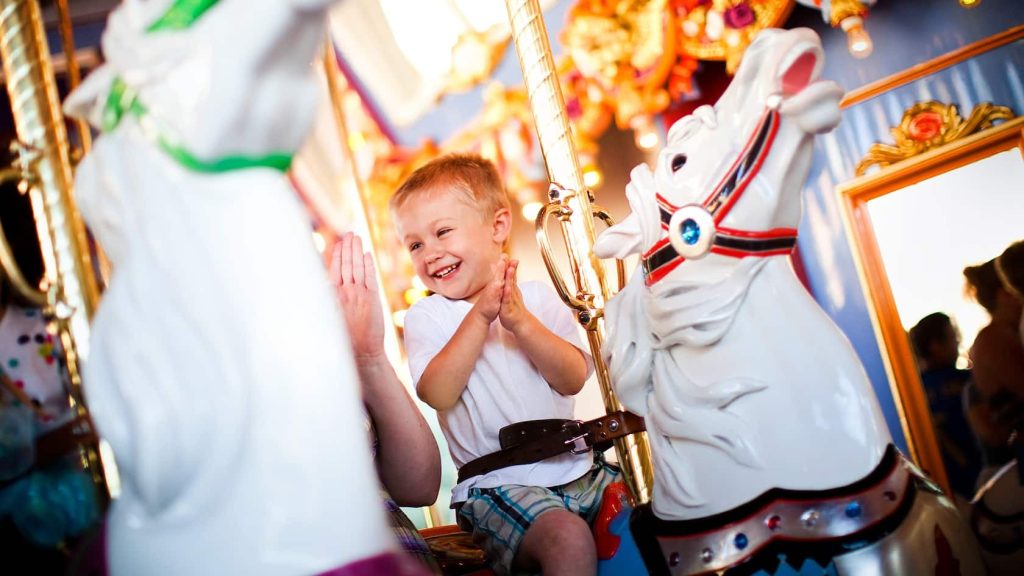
(995, 403)
(1010, 267)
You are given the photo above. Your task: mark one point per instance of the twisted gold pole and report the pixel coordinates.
(572, 205)
(67, 38)
(71, 285)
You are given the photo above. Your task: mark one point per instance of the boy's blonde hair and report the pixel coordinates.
(472, 176)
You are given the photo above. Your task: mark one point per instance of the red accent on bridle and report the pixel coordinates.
(722, 209)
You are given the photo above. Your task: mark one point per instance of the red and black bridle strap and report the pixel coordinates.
(746, 166)
(662, 257)
(739, 244)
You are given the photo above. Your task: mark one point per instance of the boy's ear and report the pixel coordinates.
(502, 225)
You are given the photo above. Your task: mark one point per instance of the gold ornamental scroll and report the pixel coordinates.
(571, 204)
(71, 290)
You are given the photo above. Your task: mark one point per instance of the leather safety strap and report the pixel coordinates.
(536, 440)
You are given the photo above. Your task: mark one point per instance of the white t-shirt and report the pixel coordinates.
(504, 387)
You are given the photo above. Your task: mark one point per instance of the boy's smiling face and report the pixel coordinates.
(454, 248)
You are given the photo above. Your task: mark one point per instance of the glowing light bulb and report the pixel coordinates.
(398, 317)
(732, 38)
(592, 176)
(412, 296)
(356, 141)
(531, 209)
(645, 135)
(857, 39)
(969, 3)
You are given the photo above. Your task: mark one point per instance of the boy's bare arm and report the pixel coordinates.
(562, 364)
(559, 362)
(447, 374)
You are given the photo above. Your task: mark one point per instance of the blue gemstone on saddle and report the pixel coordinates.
(741, 541)
(690, 231)
(853, 510)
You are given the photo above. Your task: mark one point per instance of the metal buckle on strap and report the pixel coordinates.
(579, 443)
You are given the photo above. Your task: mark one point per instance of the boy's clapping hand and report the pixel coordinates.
(513, 312)
(488, 303)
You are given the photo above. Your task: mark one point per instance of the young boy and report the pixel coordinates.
(485, 353)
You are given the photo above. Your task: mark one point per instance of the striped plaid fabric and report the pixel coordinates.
(499, 517)
(408, 536)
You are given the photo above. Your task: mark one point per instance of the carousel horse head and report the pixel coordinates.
(217, 365)
(737, 166)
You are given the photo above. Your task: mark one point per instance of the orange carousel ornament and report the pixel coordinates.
(630, 59)
(624, 63)
(625, 59)
(504, 137)
(722, 29)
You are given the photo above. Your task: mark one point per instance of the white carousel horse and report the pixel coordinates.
(751, 394)
(219, 370)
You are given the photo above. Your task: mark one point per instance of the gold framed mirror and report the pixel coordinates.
(909, 221)
(935, 178)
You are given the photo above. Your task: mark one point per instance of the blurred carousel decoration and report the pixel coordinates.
(629, 60)
(502, 134)
(722, 29)
(476, 52)
(928, 125)
(374, 168)
(848, 15)
(402, 287)
(624, 62)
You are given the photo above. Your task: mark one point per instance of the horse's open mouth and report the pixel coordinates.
(800, 68)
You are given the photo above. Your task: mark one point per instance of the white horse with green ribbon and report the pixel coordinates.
(218, 371)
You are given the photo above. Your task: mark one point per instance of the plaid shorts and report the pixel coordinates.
(499, 517)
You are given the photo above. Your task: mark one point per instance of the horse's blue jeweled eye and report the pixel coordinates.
(690, 231)
(678, 161)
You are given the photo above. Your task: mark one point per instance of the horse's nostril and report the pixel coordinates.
(678, 161)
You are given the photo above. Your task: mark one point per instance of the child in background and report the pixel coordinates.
(936, 343)
(486, 352)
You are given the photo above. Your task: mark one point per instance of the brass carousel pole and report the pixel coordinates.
(71, 290)
(67, 39)
(571, 203)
